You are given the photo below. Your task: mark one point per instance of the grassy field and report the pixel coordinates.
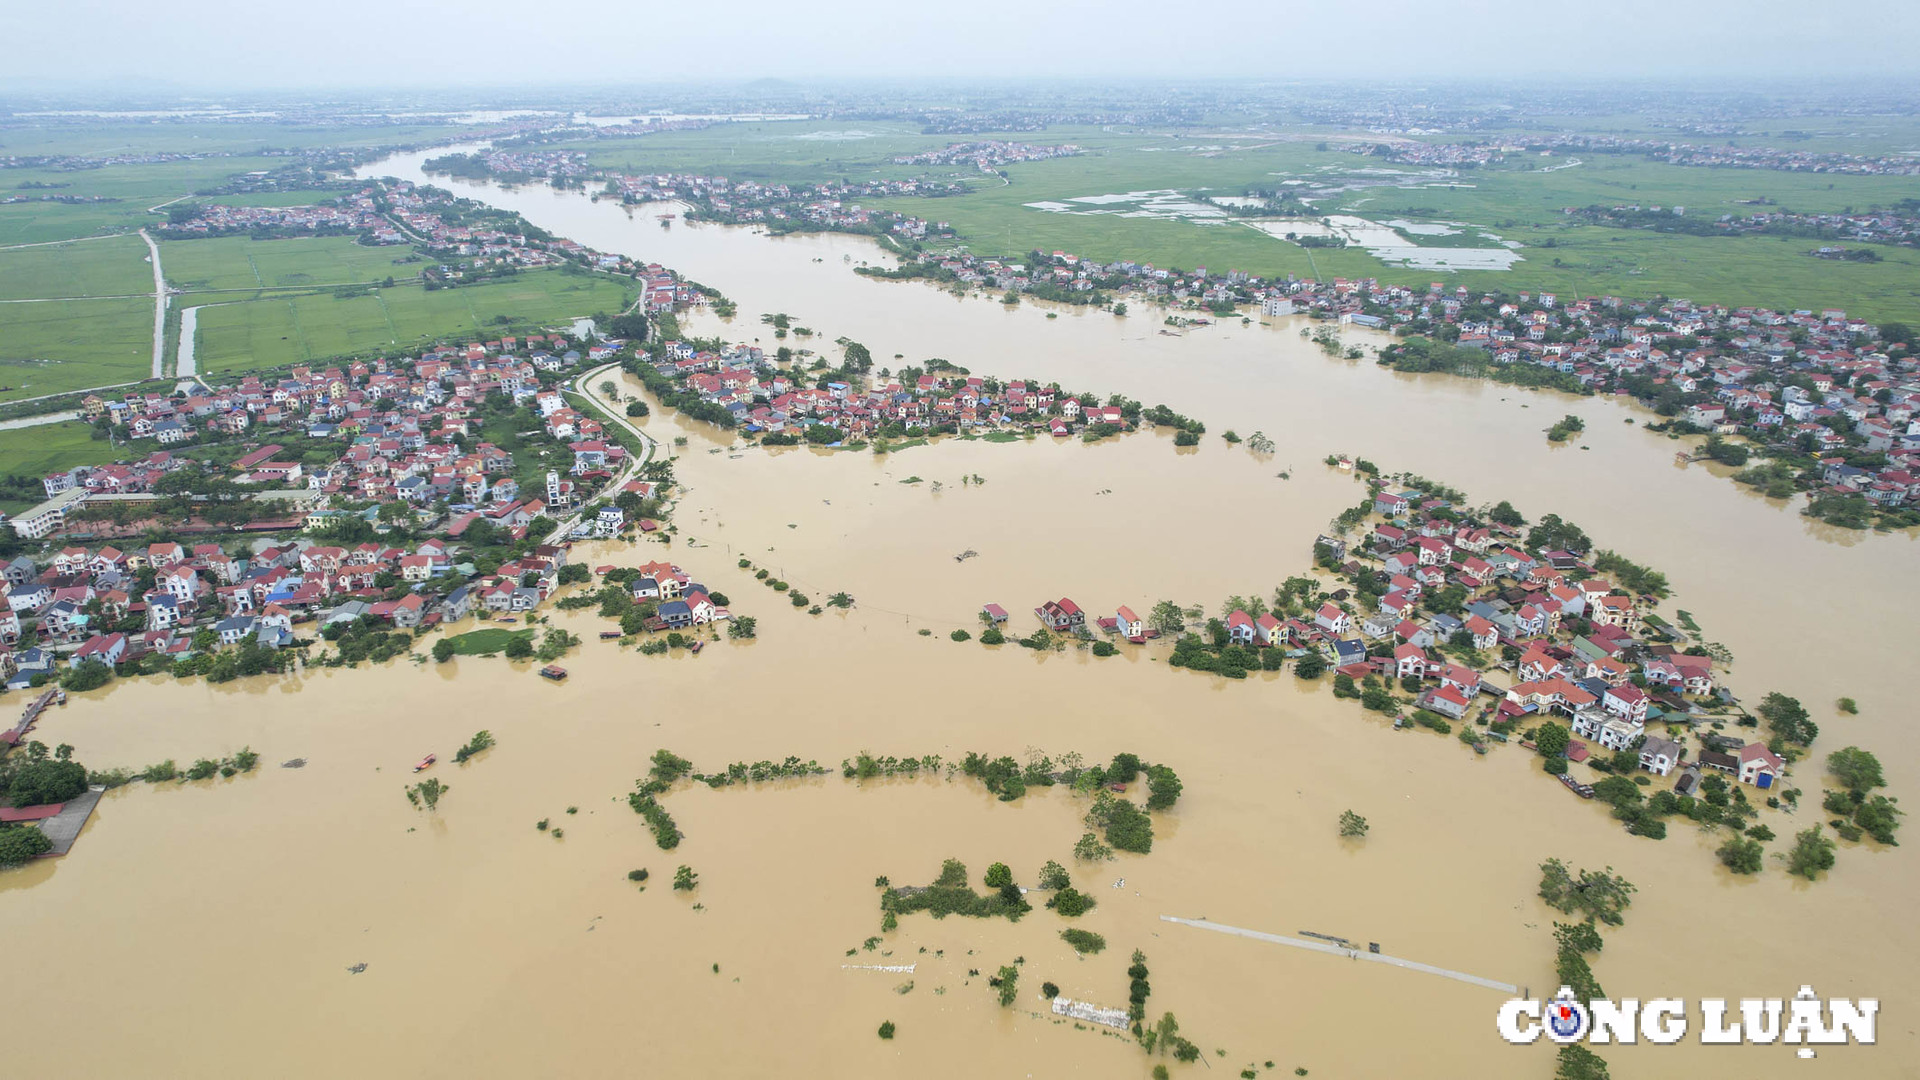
(116, 266)
(237, 262)
(47, 348)
(37, 451)
(273, 332)
(491, 640)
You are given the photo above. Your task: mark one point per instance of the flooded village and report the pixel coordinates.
(1424, 597)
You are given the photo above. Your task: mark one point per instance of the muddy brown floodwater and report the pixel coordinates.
(207, 927)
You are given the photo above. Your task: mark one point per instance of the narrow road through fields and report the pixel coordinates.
(159, 307)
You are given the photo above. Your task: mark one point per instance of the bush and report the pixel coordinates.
(1071, 902)
(1741, 856)
(886, 1029)
(992, 637)
(1054, 876)
(1104, 648)
(960, 635)
(1049, 991)
(637, 875)
(1084, 941)
(519, 648)
(19, 843)
(685, 880)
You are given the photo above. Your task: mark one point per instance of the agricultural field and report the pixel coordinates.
(37, 451)
(233, 149)
(238, 262)
(116, 266)
(61, 345)
(1103, 205)
(267, 332)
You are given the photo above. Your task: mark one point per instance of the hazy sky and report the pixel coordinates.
(507, 43)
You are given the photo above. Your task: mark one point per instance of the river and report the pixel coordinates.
(208, 927)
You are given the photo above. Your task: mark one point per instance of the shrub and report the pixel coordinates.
(1049, 991)
(637, 875)
(1084, 941)
(1071, 902)
(886, 1029)
(992, 637)
(1104, 648)
(685, 880)
(960, 635)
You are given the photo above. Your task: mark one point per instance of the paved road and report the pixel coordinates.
(583, 386)
(1351, 954)
(159, 308)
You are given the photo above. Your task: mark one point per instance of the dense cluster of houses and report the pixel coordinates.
(1557, 640)
(766, 398)
(170, 602)
(990, 154)
(1824, 382)
(1874, 227)
(115, 606)
(357, 215)
(1721, 156)
(826, 205)
(1576, 648)
(407, 432)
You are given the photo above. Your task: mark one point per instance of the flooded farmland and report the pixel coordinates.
(216, 921)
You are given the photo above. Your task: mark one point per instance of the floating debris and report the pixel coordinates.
(903, 969)
(355, 969)
(1091, 1013)
(965, 555)
(1120, 884)
(296, 763)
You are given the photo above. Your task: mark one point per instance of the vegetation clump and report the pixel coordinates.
(1084, 941)
(482, 740)
(951, 895)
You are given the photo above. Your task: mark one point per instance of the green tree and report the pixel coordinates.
(685, 880)
(741, 626)
(1008, 981)
(1855, 768)
(20, 843)
(443, 650)
(1163, 787)
(1787, 718)
(519, 647)
(1812, 852)
(1879, 818)
(1054, 876)
(1576, 1062)
(1598, 894)
(1311, 666)
(1352, 824)
(1741, 856)
(998, 876)
(1552, 739)
(1167, 618)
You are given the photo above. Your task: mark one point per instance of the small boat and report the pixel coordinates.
(609, 635)
(425, 762)
(697, 646)
(506, 619)
(554, 672)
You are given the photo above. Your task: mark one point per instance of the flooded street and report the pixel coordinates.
(215, 921)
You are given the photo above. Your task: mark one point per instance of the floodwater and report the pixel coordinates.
(220, 918)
